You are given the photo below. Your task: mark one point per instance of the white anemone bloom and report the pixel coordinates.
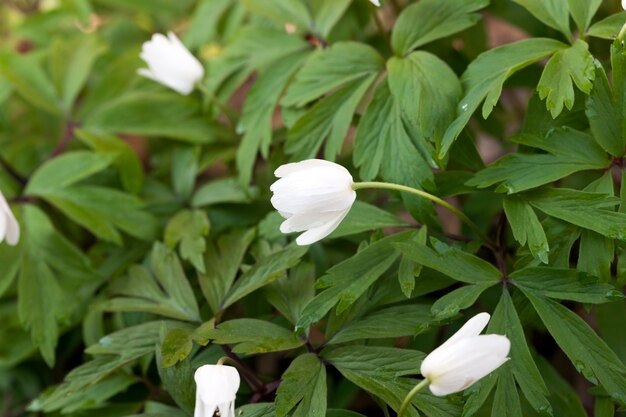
(9, 228)
(624, 4)
(170, 63)
(216, 389)
(465, 358)
(314, 196)
(377, 2)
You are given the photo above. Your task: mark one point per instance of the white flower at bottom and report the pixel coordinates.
(9, 228)
(465, 358)
(314, 196)
(170, 63)
(216, 389)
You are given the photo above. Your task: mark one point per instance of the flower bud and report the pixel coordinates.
(465, 358)
(9, 228)
(216, 389)
(314, 196)
(170, 63)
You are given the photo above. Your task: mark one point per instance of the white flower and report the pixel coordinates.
(377, 2)
(170, 63)
(216, 389)
(9, 228)
(624, 4)
(465, 358)
(314, 196)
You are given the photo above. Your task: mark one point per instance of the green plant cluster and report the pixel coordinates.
(149, 246)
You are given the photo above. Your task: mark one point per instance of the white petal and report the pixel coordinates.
(302, 222)
(318, 233)
(227, 409)
(3, 226)
(216, 384)
(463, 363)
(314, 181)
(287, 169)
(9, 227)
(473, 327)
(377, 2)
(297, 204)
(624, 4)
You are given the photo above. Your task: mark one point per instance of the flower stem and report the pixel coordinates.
(410, 395)
(228, 112)
(423, 194)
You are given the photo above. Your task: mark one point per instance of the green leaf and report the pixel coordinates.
(609, 27)
(583, 12)
(590, 355)
(365, 217)
(485, 76)
(291, 293)
(253, 336)
(564, 284)
(383, 146)
(71, 61)
(347, 281)
(565, 400)
(526, 227)
(281, 11)
(391, 322)
(189, 228)
(452, 262)
(574, 65)
(426, 90)
(265, 271)
(165, 291)
(605, 117)
(591, 211)
(166, 114)
(450, 304)
(553, 13)
(222, 259)
(327, 13)
(332, 68)
(258, 112)
(429, 20)
(178, 343)
(125, 158)
(29, 80)
(506, 321)
(113, 352)
(303, 385)
(596, 254)
(227, 190)
(329, 119)
(178, 381)
(45, 301)
(66, 170)
(184, 169)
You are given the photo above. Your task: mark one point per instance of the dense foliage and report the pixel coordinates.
(149, 246)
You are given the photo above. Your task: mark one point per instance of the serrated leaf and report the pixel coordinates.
(553, 13)
(391, 322)
(609, 27)
(485, 76)
(265, 271)
(189, 228)
(450, 304)
(253, 336)
(583, 12)
(526, 227)
(452, 262)
(227, 190)
(429, 20)
(303, 385)
(574, 65)
(590, 355)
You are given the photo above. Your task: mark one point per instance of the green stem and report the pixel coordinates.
(228, 112)
(622, 33)
(410, 395)
(423, 194)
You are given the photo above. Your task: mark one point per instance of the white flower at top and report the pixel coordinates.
(9, 228)
(377, 2)
(314, 196)
(216, 389)
(465, 358)
(170, 63)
